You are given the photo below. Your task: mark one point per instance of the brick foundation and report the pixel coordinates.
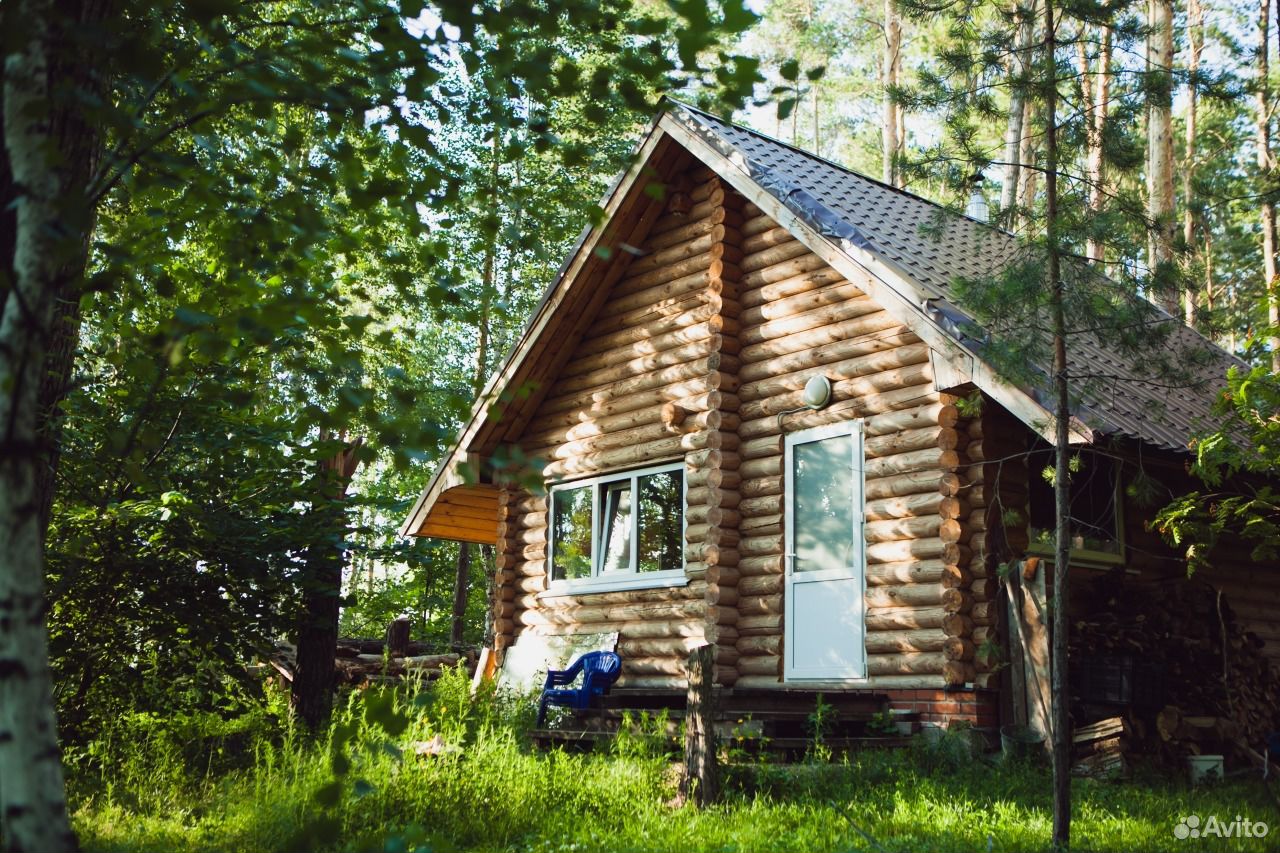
(980, 708)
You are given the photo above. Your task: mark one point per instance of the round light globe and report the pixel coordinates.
(817, 392)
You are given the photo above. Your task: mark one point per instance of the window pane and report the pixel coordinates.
(617, 527)
(823, 504)
(1092, 493)
(572, 532)
(661, 521)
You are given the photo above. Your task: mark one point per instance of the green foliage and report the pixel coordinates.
(493, 793)
(1237, 461)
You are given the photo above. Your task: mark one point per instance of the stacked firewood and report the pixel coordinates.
(1173, 652)
(1098, 749)
(370, 661)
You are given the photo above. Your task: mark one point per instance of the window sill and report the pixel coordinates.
(648, 580)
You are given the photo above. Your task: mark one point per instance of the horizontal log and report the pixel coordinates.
(753, 585)
(761, 525)
(790, 386)
(765, 505)
(694, 324)
(958, 648)
(827, 315)
(647, 452)
(652, 389)
(755, 222)
(764, 565)
(713, 200)
(656, 646)
(712, 478)
(905, 642)
(778, 272)
(908, 572)
(758, 253)
(906, 506)
(956, 577)
(827, 359)
(705, 495)
(956, 672)
(903, 618)
(760, 665)
(858, 405)
(664, 258)
(654, 665)
(636, 434)
(752, 646)
(891, 379)
(769, 623)
(800, 283)
(956, 601)
(694, 629)
(669, 366)
(613, 613)
(929, 459)
(902, 528)
(905, 595)
(903, 550)
(757, 605)
(802, 341)
(905, 664)
(682, 230)
(777, 309)
(903, 484)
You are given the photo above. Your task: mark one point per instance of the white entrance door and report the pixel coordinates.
(824, 610)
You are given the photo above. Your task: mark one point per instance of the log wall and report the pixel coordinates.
(799, 318)
(653, 380)
(709, 336)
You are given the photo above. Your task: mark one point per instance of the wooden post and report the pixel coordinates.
(700, 782)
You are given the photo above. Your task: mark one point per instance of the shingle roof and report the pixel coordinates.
(933, 247)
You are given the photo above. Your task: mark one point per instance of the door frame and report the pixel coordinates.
(852, 428)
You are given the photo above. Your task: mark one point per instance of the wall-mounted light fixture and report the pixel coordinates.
(817, 392)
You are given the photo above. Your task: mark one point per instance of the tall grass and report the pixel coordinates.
(363, 787)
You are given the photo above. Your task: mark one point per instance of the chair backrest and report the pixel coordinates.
(600, 669)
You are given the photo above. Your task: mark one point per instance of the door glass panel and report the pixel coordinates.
(617, 527)
(571, 557)
(823, 504)
(662, 521)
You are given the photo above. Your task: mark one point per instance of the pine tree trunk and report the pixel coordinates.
(32, 794)
(891, 65)
(317, 635)
(1160, 207)
(1059, 696)
(1266, 165)
(461, 585)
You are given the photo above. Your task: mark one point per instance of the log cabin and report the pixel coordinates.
(759, 420)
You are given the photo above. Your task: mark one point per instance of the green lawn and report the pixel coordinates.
(498, 794)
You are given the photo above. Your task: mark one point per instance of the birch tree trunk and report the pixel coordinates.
(1195, 46)
(891, 69)
(1096, 88)
(32, 795)
(1013, 140)
(1160, 208)
(1266, 165)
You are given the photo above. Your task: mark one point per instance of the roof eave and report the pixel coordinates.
(461, 451)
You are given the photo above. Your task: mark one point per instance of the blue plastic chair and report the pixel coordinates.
(599, 670)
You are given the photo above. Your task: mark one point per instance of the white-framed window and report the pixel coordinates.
(617, 531)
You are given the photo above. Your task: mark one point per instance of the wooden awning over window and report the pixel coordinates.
(455, 506)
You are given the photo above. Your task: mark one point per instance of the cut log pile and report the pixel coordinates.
(1195, 681)
(1098, 749)
(368, 661)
